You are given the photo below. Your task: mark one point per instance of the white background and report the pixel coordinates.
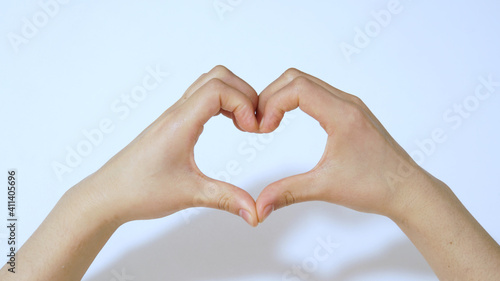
(64, 76)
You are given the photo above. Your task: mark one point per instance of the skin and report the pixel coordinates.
(152, 177)
(362, 168)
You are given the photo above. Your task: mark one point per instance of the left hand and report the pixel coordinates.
(362, 168)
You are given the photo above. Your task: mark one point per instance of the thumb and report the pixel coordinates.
(227, 197)
(287, 191)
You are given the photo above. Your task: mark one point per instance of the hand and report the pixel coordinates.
(156, 175)
(362, 168)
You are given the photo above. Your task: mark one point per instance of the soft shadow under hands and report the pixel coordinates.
(218, 246)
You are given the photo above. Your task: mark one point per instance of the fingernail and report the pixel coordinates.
(246, 216)
(267, 211)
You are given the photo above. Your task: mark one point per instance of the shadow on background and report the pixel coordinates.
(216, 246)
(400, 257)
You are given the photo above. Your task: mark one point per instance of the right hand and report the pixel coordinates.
(156, 175)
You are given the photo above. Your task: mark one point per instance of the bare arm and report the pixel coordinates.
(447, 235)
(68, 240)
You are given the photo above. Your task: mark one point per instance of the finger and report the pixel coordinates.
(310, 97)
(227, 197)
(287, 191)
(193, 87)
(214, 96)
(288, 76)
(230, 115)
(291, 74)
(224, 74)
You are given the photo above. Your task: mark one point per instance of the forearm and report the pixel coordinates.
(451, 240)
(68, 240)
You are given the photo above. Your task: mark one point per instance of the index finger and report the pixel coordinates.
(214, 96)
(228, 77)
(310, 97)
(290, 74)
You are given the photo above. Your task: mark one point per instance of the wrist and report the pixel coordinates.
(89, 201)
(417, 197)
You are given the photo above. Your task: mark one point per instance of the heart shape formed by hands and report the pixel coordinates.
(362, 167)
(358, 151)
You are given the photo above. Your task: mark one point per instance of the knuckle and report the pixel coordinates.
(292, 73)
(288, 198)
(220, 71)
(214, 84)
(355, 99)
(224, 202)
(205, 195)
(354, 115)
(301, 84)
